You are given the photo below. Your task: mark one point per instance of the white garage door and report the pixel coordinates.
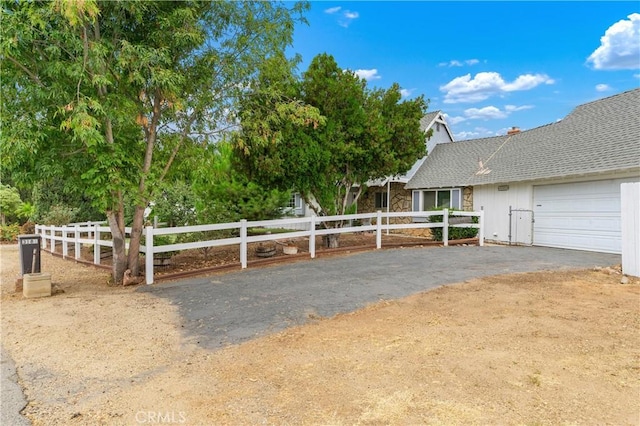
(583, 216)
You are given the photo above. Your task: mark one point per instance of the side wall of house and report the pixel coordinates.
(495, 200)
(440, 135)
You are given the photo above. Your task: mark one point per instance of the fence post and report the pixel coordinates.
(481, 230)
(243, 243)
(96, 245)
(312, 237)
(148, 255)
(65, 248)
(379, 229)
(43, 242)
(52, 241)
(76, 236)
(445, 227)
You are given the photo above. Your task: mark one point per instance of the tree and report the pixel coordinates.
(10, 204)
(225, 194)
(109, 94)
(365, 134)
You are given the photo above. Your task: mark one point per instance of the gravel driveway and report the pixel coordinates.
(234, 307)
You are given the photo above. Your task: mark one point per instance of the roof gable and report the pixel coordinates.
(600, 136)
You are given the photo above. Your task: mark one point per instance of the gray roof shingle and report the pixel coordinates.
(596, 137)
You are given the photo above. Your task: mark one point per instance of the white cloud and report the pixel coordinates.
(486, 84)
(485, 113)
(454, 120)
(465, 135)
(619, 46)
(456, 63)
(368, 74)
(490, 112)
(513, 108)
(405, 93)
(602, 87)
(636, 75)
(347, 17)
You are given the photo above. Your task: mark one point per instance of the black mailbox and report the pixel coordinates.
(29, 247)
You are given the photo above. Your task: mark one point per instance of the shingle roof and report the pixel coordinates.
(428, 118)
(597, 137)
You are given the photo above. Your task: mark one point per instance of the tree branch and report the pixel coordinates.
(31, 75)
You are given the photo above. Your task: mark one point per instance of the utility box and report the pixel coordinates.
(29, 248)
(36, 285)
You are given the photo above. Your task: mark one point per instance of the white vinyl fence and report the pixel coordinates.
(630, 221)
(91, 234)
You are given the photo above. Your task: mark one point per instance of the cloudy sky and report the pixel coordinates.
(488, 65)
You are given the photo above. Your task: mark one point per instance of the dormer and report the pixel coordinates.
(441, 132)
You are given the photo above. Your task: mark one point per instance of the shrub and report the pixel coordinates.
(454, 233)
(59, 215)
(28, 228)
(9, 233)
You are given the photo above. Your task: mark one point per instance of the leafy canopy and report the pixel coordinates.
(362, 134)
(110, 94)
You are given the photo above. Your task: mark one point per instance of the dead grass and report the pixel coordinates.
(536, 348)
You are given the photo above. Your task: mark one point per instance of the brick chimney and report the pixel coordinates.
(514, 130)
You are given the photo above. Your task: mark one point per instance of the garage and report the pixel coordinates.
(582, 216)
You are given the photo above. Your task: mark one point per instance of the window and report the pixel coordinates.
(295, 205)
(381, 200)
(437, 199)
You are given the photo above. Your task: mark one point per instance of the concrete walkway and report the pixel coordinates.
(235, 307)
(12, 398)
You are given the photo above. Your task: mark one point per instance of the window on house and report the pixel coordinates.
(295, 204)
(381, 200)
(437, 199)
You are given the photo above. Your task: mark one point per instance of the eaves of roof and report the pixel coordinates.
(597, 137)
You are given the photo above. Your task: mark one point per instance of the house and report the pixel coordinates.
(389, 194)
(557, 185)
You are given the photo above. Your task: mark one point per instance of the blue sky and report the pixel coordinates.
(487, 65)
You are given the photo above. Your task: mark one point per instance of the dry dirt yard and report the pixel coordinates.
(536, 348)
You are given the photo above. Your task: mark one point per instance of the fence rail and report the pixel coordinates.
(74, 236)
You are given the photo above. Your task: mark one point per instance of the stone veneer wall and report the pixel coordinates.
(401, 202)
(467, 198)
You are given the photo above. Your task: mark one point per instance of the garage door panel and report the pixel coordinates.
(584, 215)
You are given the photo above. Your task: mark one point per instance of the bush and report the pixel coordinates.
(9, 233)
(454, 233)
(59, 215)
(28, 228)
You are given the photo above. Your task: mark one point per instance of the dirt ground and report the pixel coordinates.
(535, 348)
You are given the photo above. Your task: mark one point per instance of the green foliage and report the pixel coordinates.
(361, 134)
(175, 205)
(9, 233)
(58, 192)
(225, 194)
(109, 95)
(59, 215)
(454, 233)
(10, 204)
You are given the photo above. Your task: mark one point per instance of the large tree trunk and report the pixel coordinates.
(134, 243)
(119, 250)
(331, 240)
